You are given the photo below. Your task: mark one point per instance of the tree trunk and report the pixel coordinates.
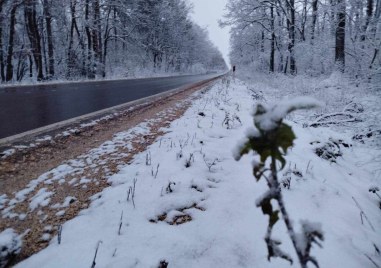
(303, 21)
(2, 66)
(332, 4)
(369, 14)
(105, 45)
(90, 63)
(48, 21)
(34, 36)
(291, 46)
(70, 53)
(314, 17)
(97, 38)
(272, 52)
(340, 37)
(12, 22)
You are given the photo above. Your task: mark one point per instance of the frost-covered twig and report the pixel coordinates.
(169, 189)
(375, 190)
(372, 261)
(154, 174)
(209, 164)
(95, 255)
(59, 234)
(362, 213)
(353, 107)
(149, 157)
(323, 119)
(131, 192)
(188, 161)
(120, 223)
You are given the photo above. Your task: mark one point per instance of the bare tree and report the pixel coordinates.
(340, 36)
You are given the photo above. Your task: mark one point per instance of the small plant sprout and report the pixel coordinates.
(308, 167)
(375, 190)
(131, 192)
(270, 139)
(163, 264)
(95, 255)
(169, 189)
(154, 173)
(363, 215)
(209, 164)
(193, 138)
(179, 155)
(149, 158)
(189, 161)
(59, 234)
(230, 121)
(120, 223)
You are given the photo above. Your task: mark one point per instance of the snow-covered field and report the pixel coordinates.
(188, 203)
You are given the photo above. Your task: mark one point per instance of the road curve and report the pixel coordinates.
(26, 108)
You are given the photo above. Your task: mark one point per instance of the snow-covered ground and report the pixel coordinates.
(188, 203)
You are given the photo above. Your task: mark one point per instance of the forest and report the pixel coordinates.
(44, 40)
(310, 37)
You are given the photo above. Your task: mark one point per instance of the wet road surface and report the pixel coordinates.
(26, 108)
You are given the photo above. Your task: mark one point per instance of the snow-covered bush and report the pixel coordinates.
(10, 246)
(270, 139)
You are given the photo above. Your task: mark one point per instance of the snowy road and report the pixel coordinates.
(30, 107)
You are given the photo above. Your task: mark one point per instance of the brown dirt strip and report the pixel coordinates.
(19, 169)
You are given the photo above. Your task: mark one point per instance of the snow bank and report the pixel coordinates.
(10, 246)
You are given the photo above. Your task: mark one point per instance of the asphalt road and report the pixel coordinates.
(26, 108)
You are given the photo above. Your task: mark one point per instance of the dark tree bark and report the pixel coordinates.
(71, 54)
(90, 63)
(12, 23)
(97, 37)
(34, 36)
(377, 14)
(72, 63)
(369, 14)
(291, 45)
(314, 18)
(272, 50)
(340, 36)
(49, 31)
(2, 65)
(105, 45)
(303, 22)
(30, 66)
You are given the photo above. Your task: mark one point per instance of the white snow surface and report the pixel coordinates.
(227, 229)
(10, 243)
(42, 198)
(276, 112)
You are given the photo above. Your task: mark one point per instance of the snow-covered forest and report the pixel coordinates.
(75, 39)
(306, 36)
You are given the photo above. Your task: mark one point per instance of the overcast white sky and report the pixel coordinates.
(206, 14)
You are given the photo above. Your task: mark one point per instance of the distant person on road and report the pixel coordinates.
(233, 72)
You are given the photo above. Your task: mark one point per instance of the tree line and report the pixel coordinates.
(75, 39)
(306, 36)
